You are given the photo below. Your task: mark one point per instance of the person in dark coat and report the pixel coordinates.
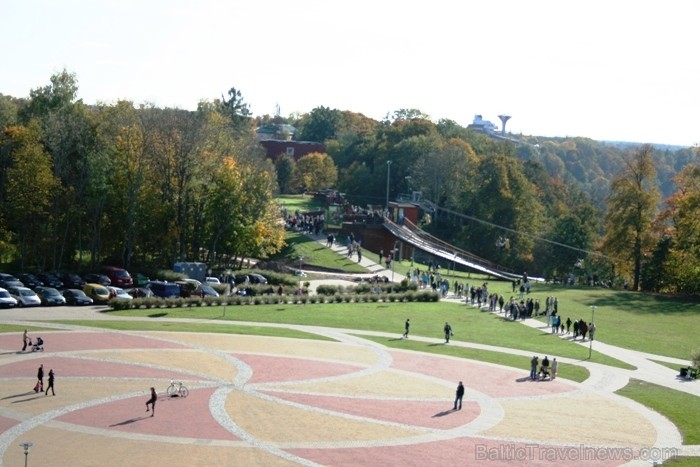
(40, 378)
(152, 401)
(407, 326)
(448, 332)
(50, 385)
(458, 396)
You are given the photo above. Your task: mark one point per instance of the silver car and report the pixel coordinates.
(24, 296)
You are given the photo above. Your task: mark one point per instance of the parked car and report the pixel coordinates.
(187, 289)
(118, 276)
(29, 280)
(24, 296)
(71, 280)
(76, 297)
(140, 292)
(212, 280)
(140, 280)
(164, 289)
(50, 296)
(252, 279)
(119, 293)
(50, 280)
(8, 280)
(6, 300)
(94, 278)
(207, 290)
(97, 292)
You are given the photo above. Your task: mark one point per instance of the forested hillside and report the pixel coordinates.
(82, 185)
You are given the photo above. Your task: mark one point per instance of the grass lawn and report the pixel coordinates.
(679, 407)
(174, 326)
(572, 372)
(427, 319)
(301, 202)
(628, 319)
(317, 255)
(16, 328)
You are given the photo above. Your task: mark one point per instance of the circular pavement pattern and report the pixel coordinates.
(277, 401)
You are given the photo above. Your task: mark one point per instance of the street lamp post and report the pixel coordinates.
(26, 446)
(590, 341)
(388, 172)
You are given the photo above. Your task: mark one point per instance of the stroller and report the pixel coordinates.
(38, 345)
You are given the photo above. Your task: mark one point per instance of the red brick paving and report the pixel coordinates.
(269, 369)
(188, 418)
(83, 367)
(490, 380)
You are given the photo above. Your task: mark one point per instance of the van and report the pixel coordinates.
(118, 277)
(164, 289)
(97, 292)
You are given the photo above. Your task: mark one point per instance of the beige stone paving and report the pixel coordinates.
(279, 423)
(588, 419)
(387, 383)
(68, 392)
(75, 449)
(324, 350)
(203, 363)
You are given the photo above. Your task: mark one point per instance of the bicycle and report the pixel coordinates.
(177, 389)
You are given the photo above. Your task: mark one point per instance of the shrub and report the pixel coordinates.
(695, 358)
(338, 298)
(169, 276)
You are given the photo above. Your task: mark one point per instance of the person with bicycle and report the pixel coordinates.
(152, 401)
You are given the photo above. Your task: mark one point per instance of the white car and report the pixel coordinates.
(119, 293)
(24, 296)
(7, 300)
(212, 280)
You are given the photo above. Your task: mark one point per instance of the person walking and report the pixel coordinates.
(448, 332)
(50, 385)
(407, 326)
(25, 339)
(458, 396)
(40, 379)
(152, 401)
(591, 330)
(555, 367)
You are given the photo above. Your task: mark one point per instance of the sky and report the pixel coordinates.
(607, 70)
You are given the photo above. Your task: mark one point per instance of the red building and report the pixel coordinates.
(276, 148)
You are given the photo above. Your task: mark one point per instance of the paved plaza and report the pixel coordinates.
(280, 401)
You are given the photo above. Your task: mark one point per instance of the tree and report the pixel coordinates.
(315, 171)
(285, 166)
(632, 207)
(31, 187)
(320, 124)
(236, 109)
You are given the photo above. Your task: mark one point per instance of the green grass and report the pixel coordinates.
(572, 372)
(174, 326)
(17, 328)
(301, 202)
(317, 255)
(626, 319)
(427, 320)
(679, 407)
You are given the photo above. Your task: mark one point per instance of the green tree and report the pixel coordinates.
(285, 166)
(320, 124)
(632, 206)
(31, 187)
(315, 171)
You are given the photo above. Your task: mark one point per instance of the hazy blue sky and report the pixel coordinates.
(615, 70)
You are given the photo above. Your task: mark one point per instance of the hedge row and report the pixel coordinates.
(271, 299)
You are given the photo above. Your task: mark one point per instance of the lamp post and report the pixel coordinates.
(301, 276)
(388, 172)
(26, 445)
(590, 342)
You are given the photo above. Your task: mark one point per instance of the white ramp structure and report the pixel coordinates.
(418, 238)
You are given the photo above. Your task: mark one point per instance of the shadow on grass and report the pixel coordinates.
(157, 315)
